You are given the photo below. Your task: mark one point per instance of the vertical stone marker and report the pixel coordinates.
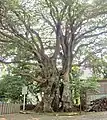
(24, 92)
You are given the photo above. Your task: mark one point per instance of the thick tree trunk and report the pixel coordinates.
(51, 95)
(66, 97)
(83, 100)
(54, 98)
(47, 103)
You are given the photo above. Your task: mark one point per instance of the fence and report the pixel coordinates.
(8, 108)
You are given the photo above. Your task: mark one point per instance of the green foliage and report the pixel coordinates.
(12, 82)
(98, 65)
(11, 88)
(80, 86)
(89, 84)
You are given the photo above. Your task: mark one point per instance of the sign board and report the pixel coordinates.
(24, 90)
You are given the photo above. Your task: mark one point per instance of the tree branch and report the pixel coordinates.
(57, 48)
(13, 62)
(49, 22)
(32, 77)
(94, 35)
(39, 39)
(91, 30)
(82, 45)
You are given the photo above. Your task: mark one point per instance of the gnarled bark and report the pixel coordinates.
(51, 92)
(66, 97)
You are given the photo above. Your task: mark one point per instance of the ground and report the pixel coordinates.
(87, 116)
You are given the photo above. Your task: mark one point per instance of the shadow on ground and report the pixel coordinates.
(33, 116)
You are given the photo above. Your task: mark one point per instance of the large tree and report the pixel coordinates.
(39, 33)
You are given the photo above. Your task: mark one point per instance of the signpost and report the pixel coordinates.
(24, 92)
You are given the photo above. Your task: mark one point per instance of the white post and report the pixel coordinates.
(24, 103)
(24, 92)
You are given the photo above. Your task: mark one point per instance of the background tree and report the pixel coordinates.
(97, 65)
(11, 88)
(11, 85)
(80, 86)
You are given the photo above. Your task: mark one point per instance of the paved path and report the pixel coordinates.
(89, 116)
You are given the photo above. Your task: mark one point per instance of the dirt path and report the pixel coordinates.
(89, 116)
